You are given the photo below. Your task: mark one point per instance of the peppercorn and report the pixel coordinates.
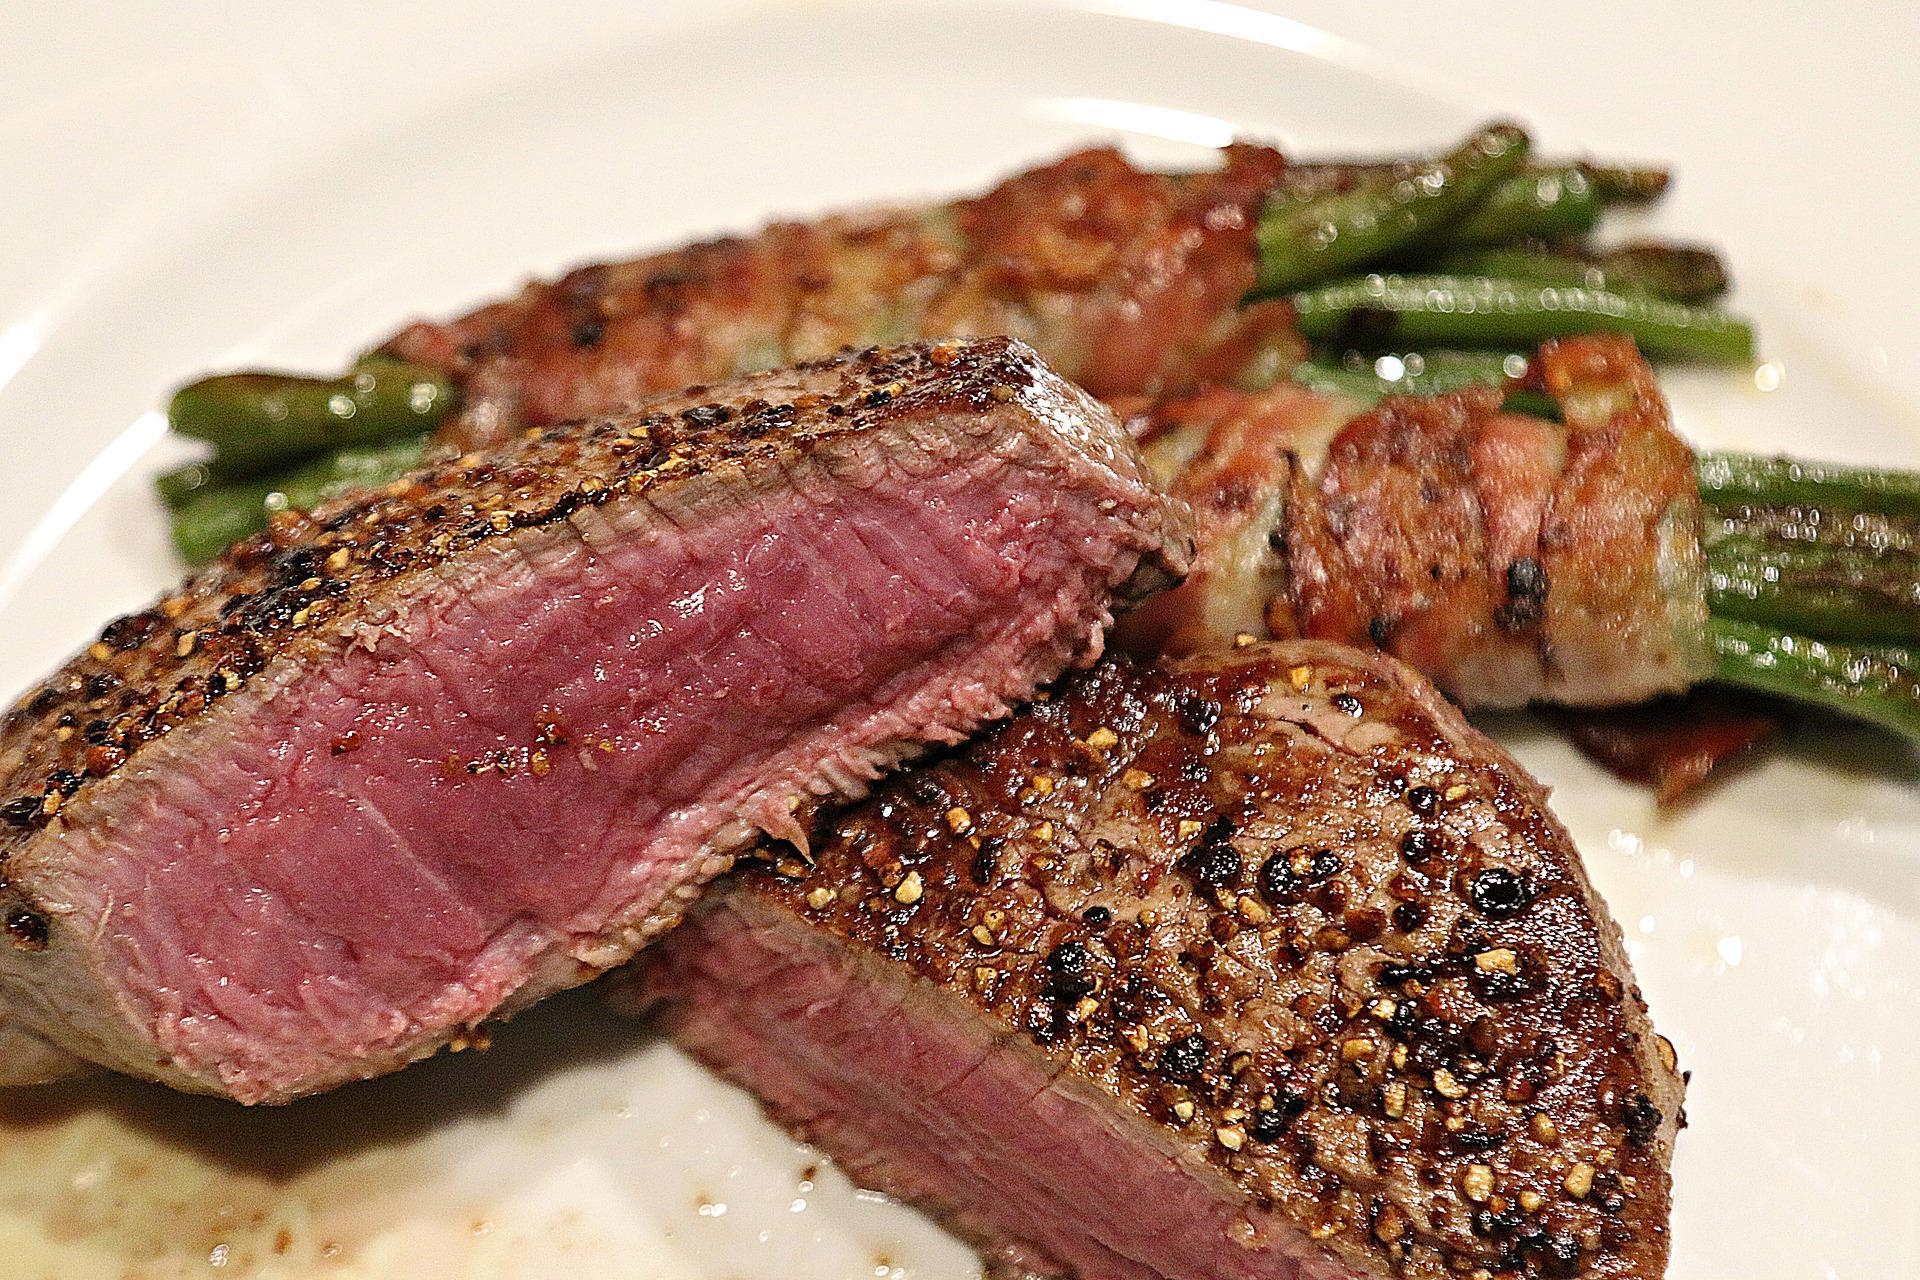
(1278, 883)
(1419, 845)
(1069, 971)
(1499, 893)
(1268, 1125)
(1185, 1057)
(1643, 1119)
(1215, 864)
(1408, 917)
(1394, 975)
(1197, 715)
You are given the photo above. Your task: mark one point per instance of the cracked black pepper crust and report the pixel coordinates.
(327, 571)
(1284, 902)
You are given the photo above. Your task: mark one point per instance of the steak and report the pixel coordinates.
(1257, 964)
(1508, 558)
(426, 755)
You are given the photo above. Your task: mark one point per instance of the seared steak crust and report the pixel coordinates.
(574, 626)
(1123, 280)
(1508, 558)
(1307, 941)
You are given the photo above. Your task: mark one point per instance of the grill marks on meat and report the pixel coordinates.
(1508, 558)
(430, 753)
(1261, 963)
(1125, 281)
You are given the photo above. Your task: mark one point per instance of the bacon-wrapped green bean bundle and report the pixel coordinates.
(1124, 280)
(1510, 558)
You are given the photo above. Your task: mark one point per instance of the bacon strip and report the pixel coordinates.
(1623, 532)
(1673, 745)
(1233, 456)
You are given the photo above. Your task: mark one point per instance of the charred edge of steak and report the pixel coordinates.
(1287, 907)
(151, 671)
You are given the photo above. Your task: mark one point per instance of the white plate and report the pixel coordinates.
(193, 186)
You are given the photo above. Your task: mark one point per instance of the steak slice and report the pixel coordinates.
(1257, 964)
(427, 755)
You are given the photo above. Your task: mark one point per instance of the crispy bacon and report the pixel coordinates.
(1675, 744)
(1623, 531)
(1233, 457)
(1126, 281)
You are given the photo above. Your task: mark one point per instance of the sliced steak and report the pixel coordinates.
(1257, 964)
(424, 756)
(1508, 558)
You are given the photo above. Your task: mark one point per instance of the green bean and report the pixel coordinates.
(1303, 238)
(1735, 479)
(1836, 593)
(1474, 311)
(179, 486)
(214, 518)
(1678, 273)
(259, 421)
(1616, 183)
(1867, 532)
(1414, 373)
(1627, 183)
(1424, 373)
(1545, 203)
(1877, 683)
